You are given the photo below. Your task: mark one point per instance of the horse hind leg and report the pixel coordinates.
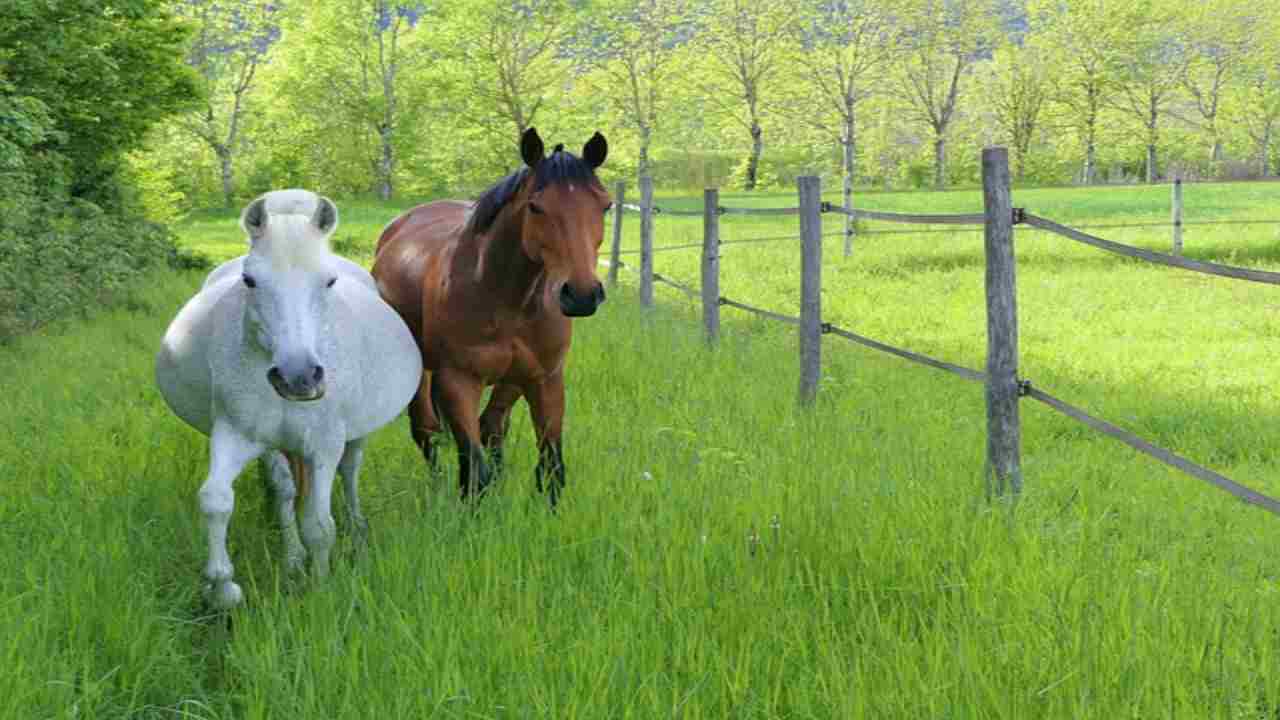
(424, 422)
(281, 477)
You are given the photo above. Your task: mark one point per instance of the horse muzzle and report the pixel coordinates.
(298, 387)
(573, 304)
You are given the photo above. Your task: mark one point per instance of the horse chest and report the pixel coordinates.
(507, 358)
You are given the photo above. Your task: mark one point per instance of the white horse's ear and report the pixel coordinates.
(326, 217)
(254, 218)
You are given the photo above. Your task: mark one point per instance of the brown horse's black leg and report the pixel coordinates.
(496, 420)
(546, 406)
(459, 398)
(551, 462)
(423, 422)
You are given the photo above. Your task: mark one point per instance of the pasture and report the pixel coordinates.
(718, 553)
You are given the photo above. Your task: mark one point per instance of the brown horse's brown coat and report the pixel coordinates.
(483, 307)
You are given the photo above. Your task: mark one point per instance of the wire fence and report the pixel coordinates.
(997, 223)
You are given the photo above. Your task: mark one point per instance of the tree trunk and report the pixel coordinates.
(757, 149)
(939, 161)
(1091, 137)
(1152, 140)
(642, 166)
(848, 168)
(387, 166)
(228, 180)
(1215, 154)
(1264, 157)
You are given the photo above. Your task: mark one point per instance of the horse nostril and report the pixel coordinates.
(599, 293)
(274, 374)
(566, 294)
(318, 374)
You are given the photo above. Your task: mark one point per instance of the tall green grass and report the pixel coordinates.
(719, 552)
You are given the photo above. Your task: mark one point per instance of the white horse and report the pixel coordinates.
(296, 352)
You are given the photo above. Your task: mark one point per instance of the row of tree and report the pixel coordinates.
(360, 96)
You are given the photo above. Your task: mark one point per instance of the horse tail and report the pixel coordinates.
(301, 479)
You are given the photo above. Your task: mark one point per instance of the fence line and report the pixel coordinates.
(1159, 453)
(739, 241)
(1209, 268)
(948, 219)
(1003, 386)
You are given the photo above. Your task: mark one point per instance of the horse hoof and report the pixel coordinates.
(224, 595)
(295, 564)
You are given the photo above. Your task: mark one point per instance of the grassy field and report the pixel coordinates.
(880, 585)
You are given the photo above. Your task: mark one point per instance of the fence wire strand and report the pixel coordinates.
(759, 311)
(956, 219)
(1250, 496)
(675, 284)
(1230, 271)
(963, 372)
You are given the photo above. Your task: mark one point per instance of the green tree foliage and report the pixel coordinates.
(376, 97)
(105, 70)
(81, 83)
(231, 39)
(943, 40)
(744, 44)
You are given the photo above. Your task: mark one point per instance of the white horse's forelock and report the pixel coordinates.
(292, 242)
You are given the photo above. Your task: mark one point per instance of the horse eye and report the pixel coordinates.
(533, 208)
(248, 280)
(332, 280)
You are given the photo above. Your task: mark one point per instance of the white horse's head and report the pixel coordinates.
(290, 274)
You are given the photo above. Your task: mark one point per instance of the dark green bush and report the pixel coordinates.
(67, 261)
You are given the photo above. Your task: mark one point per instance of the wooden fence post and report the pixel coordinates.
(810, 188)
(1177, 216)
(711, 263)
(1004, 432)
(615, 252)
(646, 241)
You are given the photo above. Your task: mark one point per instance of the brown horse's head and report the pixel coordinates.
(560, 209)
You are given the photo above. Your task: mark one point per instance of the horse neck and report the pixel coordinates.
(504, 268)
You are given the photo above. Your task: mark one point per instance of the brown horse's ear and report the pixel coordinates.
(531, 148)
(595, 151)
(254, 218)
(326, 216)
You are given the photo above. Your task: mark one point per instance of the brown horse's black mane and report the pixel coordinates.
(558, 168)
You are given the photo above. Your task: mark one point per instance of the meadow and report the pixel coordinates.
(719, 553)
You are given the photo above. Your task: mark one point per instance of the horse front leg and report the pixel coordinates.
(349, 467)
(496, 420)
(459, 396)
(546, 407)
(318, 530)
(281, 480)
(229, 453)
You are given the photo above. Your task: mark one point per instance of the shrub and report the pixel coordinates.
(66, 260)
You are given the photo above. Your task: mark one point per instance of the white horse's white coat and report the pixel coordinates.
(343, 362)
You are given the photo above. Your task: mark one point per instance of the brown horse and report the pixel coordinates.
(488, 290)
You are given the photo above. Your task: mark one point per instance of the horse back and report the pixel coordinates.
(412, 244)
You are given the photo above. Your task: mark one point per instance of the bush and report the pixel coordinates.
(67, 260)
